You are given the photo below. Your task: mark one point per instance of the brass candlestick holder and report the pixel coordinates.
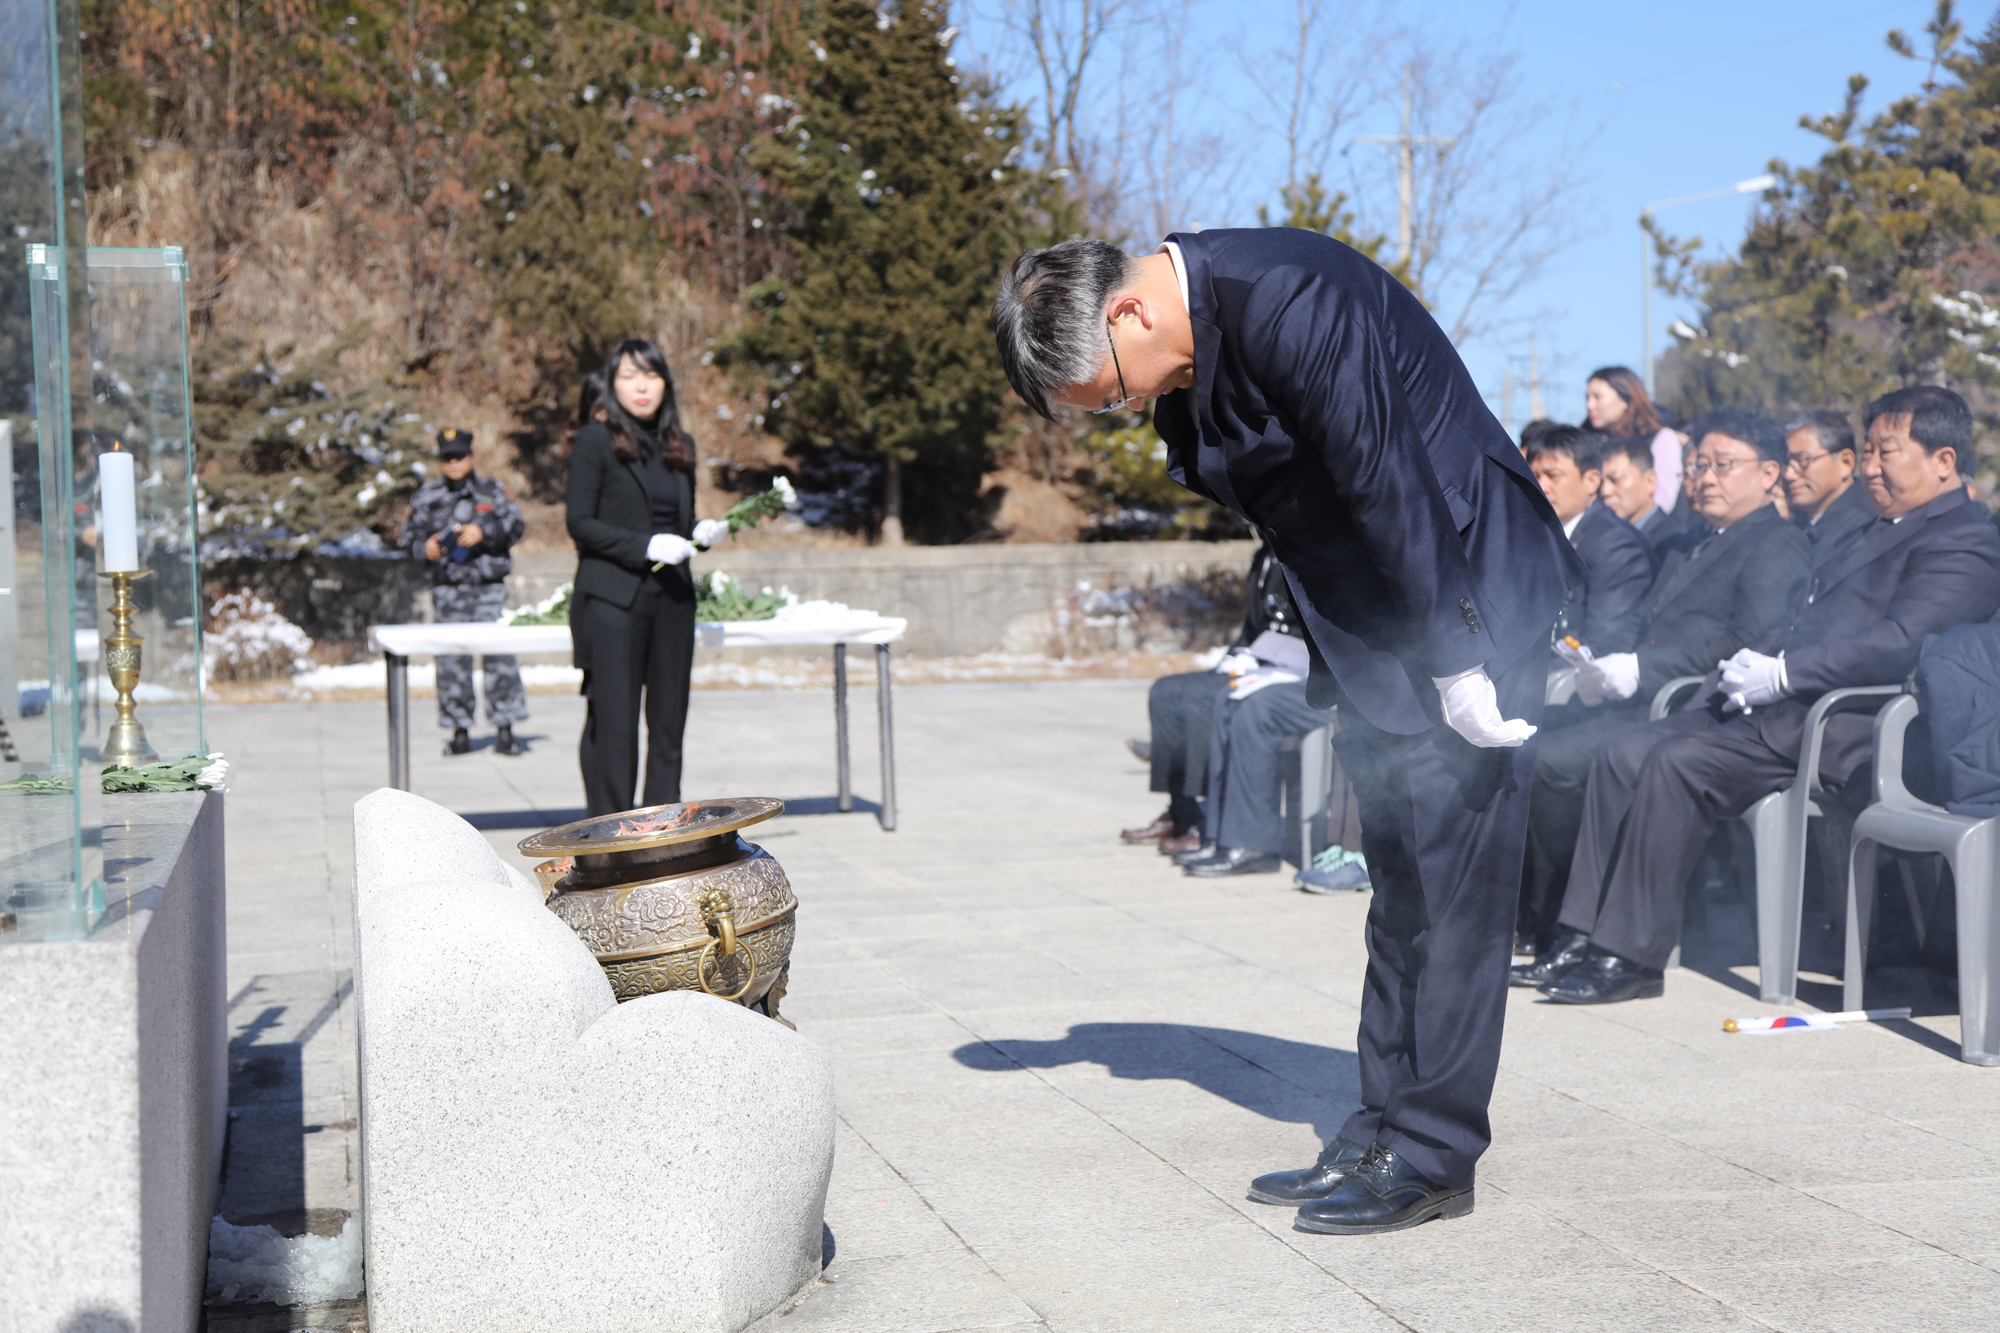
(125, 745)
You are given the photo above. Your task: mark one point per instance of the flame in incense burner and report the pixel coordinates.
(658, 823)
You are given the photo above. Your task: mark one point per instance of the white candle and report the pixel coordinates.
(118, 514)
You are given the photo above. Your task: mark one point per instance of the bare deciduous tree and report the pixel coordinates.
(1487, 218)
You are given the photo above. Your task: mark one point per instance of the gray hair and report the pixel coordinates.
(1832, 429)
(1049, 317)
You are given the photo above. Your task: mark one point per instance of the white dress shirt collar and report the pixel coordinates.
(1180, 272)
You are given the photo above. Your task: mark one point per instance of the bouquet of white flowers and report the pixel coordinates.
(749, 513)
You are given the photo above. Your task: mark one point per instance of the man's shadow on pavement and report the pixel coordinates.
(1277, 1079)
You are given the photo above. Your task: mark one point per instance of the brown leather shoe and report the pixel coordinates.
(1186, 842)
(1163, 827)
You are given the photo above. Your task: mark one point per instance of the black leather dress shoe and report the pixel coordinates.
(1569, 949)
(1292, 1188)
(1605, 978)
(505, 742)
(1382, 1193)
(1207, 851)
(1237, 861)
(460, 743)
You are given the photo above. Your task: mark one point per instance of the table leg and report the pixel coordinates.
(399, 720)
(888, 737)
(846, 802)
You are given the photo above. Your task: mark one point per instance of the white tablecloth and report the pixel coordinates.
(805, 623)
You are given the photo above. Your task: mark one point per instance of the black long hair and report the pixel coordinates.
(631, 438)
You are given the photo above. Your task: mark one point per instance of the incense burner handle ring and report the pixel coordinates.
(701, 968)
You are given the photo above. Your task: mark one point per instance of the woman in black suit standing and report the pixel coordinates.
(631, 514)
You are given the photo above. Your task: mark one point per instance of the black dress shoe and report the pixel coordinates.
(460, 743)
(1292, 1188)
(1382, 1193)
(1562, 957)
(1237, 861)
(1605, 978)
(504, 742)
(1206, 852)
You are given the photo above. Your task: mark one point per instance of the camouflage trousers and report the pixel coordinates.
(506, 701)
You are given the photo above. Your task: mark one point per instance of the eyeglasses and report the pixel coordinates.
(1800, 462)
(1721, 467)
(1123, 397)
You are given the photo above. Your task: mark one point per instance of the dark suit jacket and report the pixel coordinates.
(1712, 597)
(1840, 524)
(1331, 412)
(610, 518)
(1657, 527)
(1867, 615)
(1618, 568)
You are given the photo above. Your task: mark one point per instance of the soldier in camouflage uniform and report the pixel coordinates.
(463, 525)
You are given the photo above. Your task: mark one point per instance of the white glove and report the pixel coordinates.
(1615, 676)
(1473, 711)
(1752, 680)
(711, 533)
(667, 549)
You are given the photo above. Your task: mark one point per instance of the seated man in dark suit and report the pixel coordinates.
(1630, 481)
(1930, 560)
(1742, 577)
(1180, 707)
(1604, 611)
(1829, 503)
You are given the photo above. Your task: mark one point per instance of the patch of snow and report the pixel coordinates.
(257, 1265)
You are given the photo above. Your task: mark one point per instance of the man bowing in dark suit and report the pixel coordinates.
(1930, 560)
(1303, 387)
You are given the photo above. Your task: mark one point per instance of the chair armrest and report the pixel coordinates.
(1663, 702)
(1561, 687)
(1890, 725)
(1858, 699)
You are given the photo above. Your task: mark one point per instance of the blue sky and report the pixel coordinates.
(1685, 97)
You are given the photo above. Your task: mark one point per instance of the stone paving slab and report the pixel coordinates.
(1059, 1061)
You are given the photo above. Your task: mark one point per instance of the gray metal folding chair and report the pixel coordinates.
(1778, 825)
(1306, 801)
(1971, 846)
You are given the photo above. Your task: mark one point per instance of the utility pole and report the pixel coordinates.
(1535, 409)
(1406, 174)
(1507, 401)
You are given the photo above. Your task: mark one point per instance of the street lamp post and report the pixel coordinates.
(1755, 185)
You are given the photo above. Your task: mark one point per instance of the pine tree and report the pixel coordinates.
(1874, 268)
(903, 198)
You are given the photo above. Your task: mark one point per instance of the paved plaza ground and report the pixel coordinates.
(1059, 1062)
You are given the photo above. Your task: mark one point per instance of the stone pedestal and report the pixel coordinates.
(115, 1064)
(537, 1157)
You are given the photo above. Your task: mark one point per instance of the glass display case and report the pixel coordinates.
(139, 406)
(97, 449)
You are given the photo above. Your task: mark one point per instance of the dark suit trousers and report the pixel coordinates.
(648, 648)
(1247, 769)
(1180, 708)
(1655, 794)
(1443, 824)
(1572, 736)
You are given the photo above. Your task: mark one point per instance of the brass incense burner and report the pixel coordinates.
(671, 898)
(125, 744)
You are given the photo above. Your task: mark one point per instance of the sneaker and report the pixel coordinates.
(1335, 870)
(504, 742)
(460, 743)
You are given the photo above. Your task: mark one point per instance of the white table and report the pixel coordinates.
(820, 623)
